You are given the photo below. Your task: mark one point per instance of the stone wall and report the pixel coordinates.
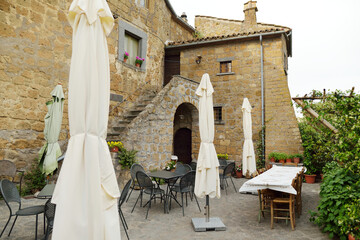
(282, 133)
(151, 133)
(35, 53)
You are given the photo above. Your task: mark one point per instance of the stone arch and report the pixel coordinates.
(151, 133)
(185, 131)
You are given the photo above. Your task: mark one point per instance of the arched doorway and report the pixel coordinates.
(182, 145)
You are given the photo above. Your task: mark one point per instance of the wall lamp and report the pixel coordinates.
(198, 59)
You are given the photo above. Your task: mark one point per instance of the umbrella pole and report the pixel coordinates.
(207, 209)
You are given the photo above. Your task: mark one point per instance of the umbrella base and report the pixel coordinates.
(215, 224)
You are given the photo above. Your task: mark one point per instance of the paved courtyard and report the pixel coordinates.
(239, 212)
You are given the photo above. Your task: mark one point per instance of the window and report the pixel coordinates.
(218, 117)
(285, 64)
(131, 46)
(225, 67)
(143, 3)
(133, 41)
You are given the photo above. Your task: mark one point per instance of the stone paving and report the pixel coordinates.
(239, 212)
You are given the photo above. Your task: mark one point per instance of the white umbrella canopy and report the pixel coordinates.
(86, 191)
(50, 152)
(207, 181)
(249, 163)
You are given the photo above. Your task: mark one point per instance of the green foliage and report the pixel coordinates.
(223, 156)
(197, 34)
(320, 143)
(278, 156)
(34, 179)
(338, 210)
(127, 158)
(170, 165)
(260, 161)
(297, 155)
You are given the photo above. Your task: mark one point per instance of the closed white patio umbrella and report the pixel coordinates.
(51, 150)
(207, 181)
(248, 162)
(86, 191)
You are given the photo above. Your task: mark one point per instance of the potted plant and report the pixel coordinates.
(115, 146)
(223, 156)
(280, 157)
(297, 157)
(139, 61)
(170, 165)
(126, 56)
(238, 171)
(288, 158)
(127, 158)
(310, 175)
(272, 156)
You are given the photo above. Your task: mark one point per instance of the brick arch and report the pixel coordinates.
(151, 133)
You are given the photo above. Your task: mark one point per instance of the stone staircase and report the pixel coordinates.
(131, 114)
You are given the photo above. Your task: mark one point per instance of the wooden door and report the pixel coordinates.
(182, 145)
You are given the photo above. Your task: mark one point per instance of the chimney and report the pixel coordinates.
(250, 10)
(184, 16)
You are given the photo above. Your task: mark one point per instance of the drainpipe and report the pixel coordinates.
(262, 97)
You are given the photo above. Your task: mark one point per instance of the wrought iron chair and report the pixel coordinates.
(186, 186)
(11, 194)
(147, 186)
(50, 215)
(228, 170)
(8, 171)
(133, 170)
(188, 168)
(122, 199)
(193, 166)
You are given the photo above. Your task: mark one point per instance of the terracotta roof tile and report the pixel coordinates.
(245, 33)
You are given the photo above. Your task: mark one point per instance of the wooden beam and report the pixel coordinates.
(315, 115)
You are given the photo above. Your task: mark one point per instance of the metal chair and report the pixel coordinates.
(8, 171)
(50, 215)
(188, 168)
(122, 199)
(193, 166)
(228, 170)
(133, 170)
(186, 186)
(11, 194)
(147, 186)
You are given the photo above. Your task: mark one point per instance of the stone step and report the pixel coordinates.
(122, 122)
(119, 129)
(130, 116)
(136, 111)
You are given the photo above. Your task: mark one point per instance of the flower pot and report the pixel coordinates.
(351, 237)
(125, 59)
(288, 160)
(239, 174)
(296, 160)
(310, 178)
(138, 65)
(272, 159)
(322, 176)
(114, 149)
(282, 161)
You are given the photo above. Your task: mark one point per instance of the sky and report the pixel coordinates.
(326, 37)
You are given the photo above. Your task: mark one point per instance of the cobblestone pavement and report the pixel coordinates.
(239, 212)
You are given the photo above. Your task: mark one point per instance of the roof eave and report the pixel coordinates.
(177, 18)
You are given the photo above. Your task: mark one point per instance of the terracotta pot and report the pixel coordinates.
(272, 159)
(125, 59)
(138, 65)
(288, 160)
(351, 237)
(282, 161)
(239, 174)
(310, 178)
(114, 149)
(322, 176)
(296, 160)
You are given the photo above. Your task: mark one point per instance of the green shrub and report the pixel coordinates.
(127, 158)
(34, 179)
(338, 209)
(223, 156)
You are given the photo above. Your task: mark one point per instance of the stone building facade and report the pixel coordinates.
(35, 53)
(153, 110)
